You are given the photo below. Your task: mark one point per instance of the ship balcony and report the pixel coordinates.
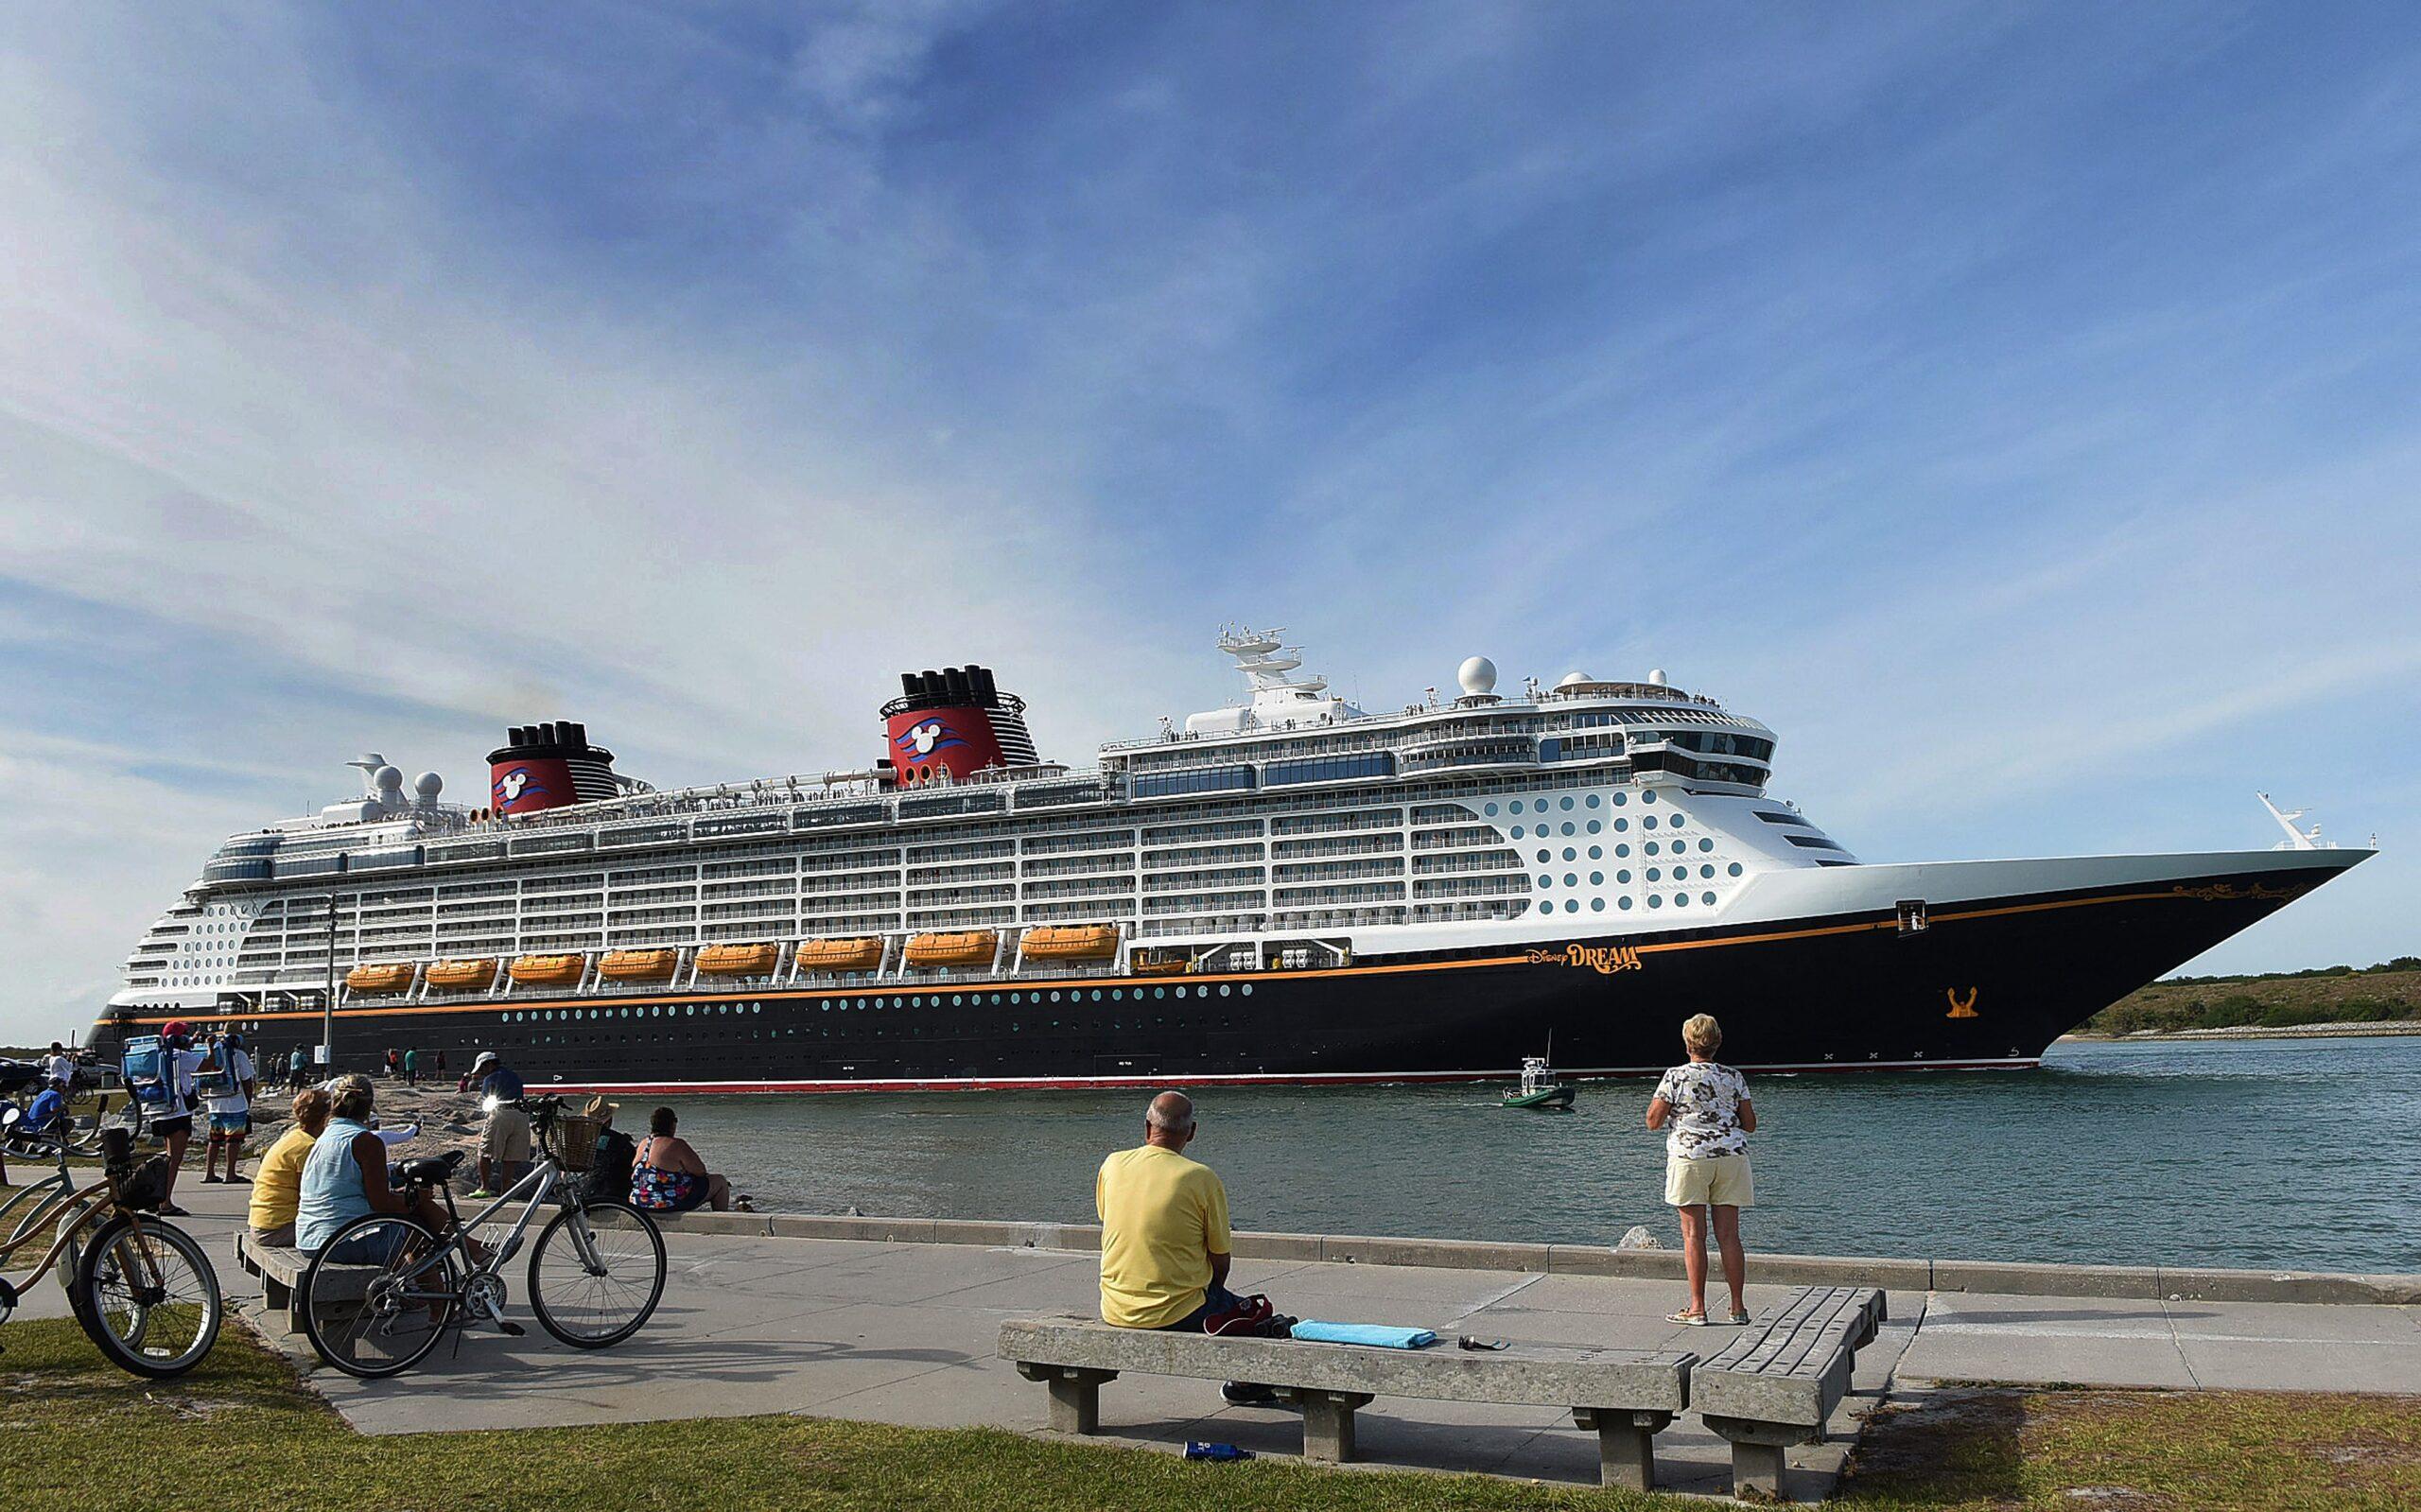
(1455, 755)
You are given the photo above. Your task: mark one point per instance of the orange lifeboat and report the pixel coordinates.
(954, 948)
(464, 975)
(841, 955)
(385, 976)
(1175, 966)
(549, 970)
(1071, 942)
(738, 959)
(639, 966)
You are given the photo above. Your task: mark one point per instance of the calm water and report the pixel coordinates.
(2297, 1154)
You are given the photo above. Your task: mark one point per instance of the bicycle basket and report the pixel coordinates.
(576, 1140)
(148, 1187)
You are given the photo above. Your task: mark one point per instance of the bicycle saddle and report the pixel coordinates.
(432, 1169)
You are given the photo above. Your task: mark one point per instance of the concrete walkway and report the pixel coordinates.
(904, 1332)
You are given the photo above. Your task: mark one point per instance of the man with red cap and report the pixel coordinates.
(183, 1075)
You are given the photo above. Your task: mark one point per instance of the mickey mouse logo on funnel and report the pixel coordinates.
(547, 766)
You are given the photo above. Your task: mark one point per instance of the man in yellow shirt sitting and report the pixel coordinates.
(1165, 1247)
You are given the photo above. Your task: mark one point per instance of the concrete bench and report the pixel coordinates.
(1776, 1382)
(281, 1274)
(1624, 1396)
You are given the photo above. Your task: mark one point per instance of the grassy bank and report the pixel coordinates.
(2387, 993)
(239, 1432)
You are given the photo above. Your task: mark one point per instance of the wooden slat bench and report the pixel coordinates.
(1776, 1382)
(1624, 1396)
(281, 1273)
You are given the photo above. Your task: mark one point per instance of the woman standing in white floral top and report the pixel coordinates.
(1705, 1108)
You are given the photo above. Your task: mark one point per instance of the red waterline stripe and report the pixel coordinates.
(1085, 1083)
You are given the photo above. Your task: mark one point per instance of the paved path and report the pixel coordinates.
(904, 1333)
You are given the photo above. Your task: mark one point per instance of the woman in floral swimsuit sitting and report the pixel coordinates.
(668, 1175)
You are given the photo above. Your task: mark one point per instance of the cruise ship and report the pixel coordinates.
(1287, 889)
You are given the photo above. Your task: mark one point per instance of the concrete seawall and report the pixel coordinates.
(2005, 1277)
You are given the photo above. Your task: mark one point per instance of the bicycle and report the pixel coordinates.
(596, 1272)
(37, 1205)
(140, 1287)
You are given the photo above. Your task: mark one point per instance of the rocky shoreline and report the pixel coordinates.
(2369, 1029)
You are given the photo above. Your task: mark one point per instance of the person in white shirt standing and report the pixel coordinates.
(62, 1066)
(1706, 1109)
(231, 1082)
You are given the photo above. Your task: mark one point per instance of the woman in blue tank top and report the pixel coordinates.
(345, 1178)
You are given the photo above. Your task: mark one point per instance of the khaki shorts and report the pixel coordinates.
(507, 1137)
(1720, 1179)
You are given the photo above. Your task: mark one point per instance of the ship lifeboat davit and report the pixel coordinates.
(841, 955)
(738, 959)
(385, 976)
(549, 970)
(954, 948)
(462, 975)
(639, 966)
(1071, 942)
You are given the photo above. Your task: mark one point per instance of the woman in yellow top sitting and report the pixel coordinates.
(277, 1186)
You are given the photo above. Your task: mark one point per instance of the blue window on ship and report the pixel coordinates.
(1329, 768)
(1206, 779)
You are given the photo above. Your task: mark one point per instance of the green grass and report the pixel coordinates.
(240, 1432)
(2142, 1451)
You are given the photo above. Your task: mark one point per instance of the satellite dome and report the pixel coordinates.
(1574, 679)
(1656, 676)
(388, 780)
(428, 785)
(1478, 676)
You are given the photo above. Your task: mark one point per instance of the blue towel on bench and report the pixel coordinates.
(1379, 1334)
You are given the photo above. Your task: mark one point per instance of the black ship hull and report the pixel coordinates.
(1989, 982)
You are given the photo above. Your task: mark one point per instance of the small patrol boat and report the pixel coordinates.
(1539, 1090)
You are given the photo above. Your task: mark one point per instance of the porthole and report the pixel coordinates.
(1617, 800)
(1649, 796)
(1709, 899)
(1055, 996)
(1513, 807)
(1623, 877)
(1648, 823)
(1096, 995)
(1596, 878)
(1733, 868)
(1596, 905)
(1622, 850)
(1681, 900)
(1596, 853)
(1223, 989)
(1651, 848)
(1545, 880)
(1597, 825)
(1571, 879)
(1488, 810)
(1706, 871)
(1571, 855)
(1593, 800)
(1565, 803)
(1016, 998)
(1655, 874)
(1159, 992)
(1247, 989)
(1181, 992)
(1567, 826)
(1706, 845)
(1546, 855)
(1623, 901)
(1656, 901)
(1518, 831)
(1621, 824)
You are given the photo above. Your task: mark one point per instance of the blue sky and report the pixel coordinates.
(2014, 405)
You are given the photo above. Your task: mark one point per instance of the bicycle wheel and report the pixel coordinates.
(596, 1274)
(146, 1294)
(380, 1316)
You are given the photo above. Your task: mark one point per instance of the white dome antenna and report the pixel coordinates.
(427, 786)
(1477, 676)
(1573, 680)
(1656, 677)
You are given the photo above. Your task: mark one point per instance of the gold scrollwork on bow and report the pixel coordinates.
(2230, 893)
(1961, 1007)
